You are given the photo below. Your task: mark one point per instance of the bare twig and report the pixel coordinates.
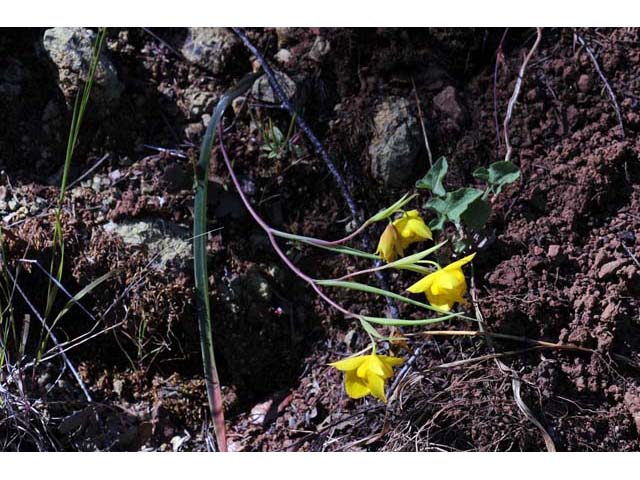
(93, 167)
(516, 381)
(499, 61)
(612, 95)
(516, 92)
(53, 337)
(421, 118)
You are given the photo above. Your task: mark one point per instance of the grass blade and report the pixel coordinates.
(212, 380)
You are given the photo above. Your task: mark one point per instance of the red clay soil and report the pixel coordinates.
(562, 264)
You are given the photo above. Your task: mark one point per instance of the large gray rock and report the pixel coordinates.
(396, 142)
(164, 240)
(70, 50)
(210, 47)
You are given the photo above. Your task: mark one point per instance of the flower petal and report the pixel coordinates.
(391, 361)
(375, 365)
(444, 302)
(459, 263)
(351, 363)
(354, 386)
(376, 385)
(443, 282)
(422, 285)
(418, 227)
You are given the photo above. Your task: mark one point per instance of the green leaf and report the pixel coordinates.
(378, 291)
(458, 202)
(437, 223)
(482, 173)
(387, 212)
(433, 179)
(277, 135)
(498, 175)
(370, 329)
(476, 214)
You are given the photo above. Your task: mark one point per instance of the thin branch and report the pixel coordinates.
(612, 95)
(421, 118)
(53, 337)
(516, 92)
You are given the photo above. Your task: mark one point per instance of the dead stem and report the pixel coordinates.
(612, 95)
(516, 92)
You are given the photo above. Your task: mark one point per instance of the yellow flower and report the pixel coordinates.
(412, 228)
(404, 231)
(366, 374)
(446, 286)
(390, 246)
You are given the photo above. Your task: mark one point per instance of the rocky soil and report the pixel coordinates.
(561, 264)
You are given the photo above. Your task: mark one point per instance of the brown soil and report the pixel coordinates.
(563, 267)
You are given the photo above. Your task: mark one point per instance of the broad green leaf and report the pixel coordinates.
(476, 214)
(438, 204)
(438, 222)
(482, 173)
(434, 177)
(459, 201)
(501, 174)
(498, 175)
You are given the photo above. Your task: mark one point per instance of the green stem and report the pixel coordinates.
(212, 380)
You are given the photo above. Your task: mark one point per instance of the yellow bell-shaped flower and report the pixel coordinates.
(412, 228)
(390, 245)
(404, 231)
(366, 374)
(444, 287)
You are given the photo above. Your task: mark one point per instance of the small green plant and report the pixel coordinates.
(274, 143)
(80, 105)
(465, 207)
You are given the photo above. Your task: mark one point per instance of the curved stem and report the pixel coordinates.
(272, 238)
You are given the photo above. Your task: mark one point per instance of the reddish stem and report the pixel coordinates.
(268, 230)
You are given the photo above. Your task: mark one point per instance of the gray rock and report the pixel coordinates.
(166, 241)
(448, 103)
(283, 56)
(262, 91)
(319, 49)
(210, 47)
(196, 102)
(70, 50)
(396, 142)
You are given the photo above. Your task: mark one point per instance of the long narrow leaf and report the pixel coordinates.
(200, 261)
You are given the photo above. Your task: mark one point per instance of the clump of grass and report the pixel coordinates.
(79, 108)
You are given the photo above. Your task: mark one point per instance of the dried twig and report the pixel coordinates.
(516, 92)
(516, 381)
(612, 95)
(499, 61)
(421, 118)
(53, 337)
